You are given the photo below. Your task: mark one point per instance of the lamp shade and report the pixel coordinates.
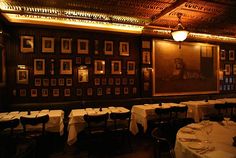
(179, 35)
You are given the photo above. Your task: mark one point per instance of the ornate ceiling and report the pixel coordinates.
(217, 17)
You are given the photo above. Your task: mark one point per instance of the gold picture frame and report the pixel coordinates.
(39, 66)
(56, 92)
(124, 48)
(47, 45)
(22, 92)
(26, 44)
(99, 67)
(44, 92)
(22, 76)
(69, 82)
(66, 67)
(34, 92)
(67, 92)
(227, 69)
(231, 55)
(130, 67)
(66, 45)
(116, 67)
(82, 47)
(108, 47)
(222, 54)
(37, 82)
(83, 75)
(146, 57)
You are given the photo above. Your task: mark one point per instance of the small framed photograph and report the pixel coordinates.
(117, 91)
(99, 92)
(66, 45)
(110, 81)
(146, 74)
(89, 91)
(99, 66)
(34, 93)
(56, 92)
(108, 91)
(79, 92)
(130, 67)
(46, 82)
(26, 44)
(22, 92)
(104, 81)
(117, 81)
(234, 69)
(83, 46)
(124, 81)
(146, 86)
(87, 60)
(47, 45)
(61, 81)
(222, 54)
(131, 81)
(53, 82)
(97, 81)
(134, 90)
(69, 82)
(124, 48)
(108, 50)
(126, 90)
(78, 60)
(231, 55)
(83, 75)
(66, 67)
(39, 66)
(227, 69)
(67, 92)
(37, 82)
(96, 47)
(44, 92)
(146, 57)
(116, 67)
(146, 44)
(22, 76)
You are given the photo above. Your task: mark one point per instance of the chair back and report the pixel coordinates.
(163, 114)
(179, 112)
(121, 120)
(13, 123)
(34, 121)
(223, 109)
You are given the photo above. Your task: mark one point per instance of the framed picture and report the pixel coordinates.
(61, 81)
(46, 82)
(130, 67)
(99, 66)
(104, 81)
(146, 86)
(124, 48)
(66, 45)
(26, 44)
(89, 91)
(83, 75)
(146, 44)
(146, 74)
(66, 67)
(83, 46)
(124, 81)
(110, 81)
(108, 48)
(146, 57)
(56, 92)
(117, 91)
(96, 47)
(67, 92)
(234, 69)
(117, 81)
(116, 67)
(99, 92)
(87, 60)
(227, 69)
(44, 92)
(78, 60)
(37, 82)
(39, 66)
(34, 93)
(69, 82)
(222, 54)
(22, 92)
(134, 90)
(131, 81)
(53, 82)
(22, 76)
(97, 81)
(79, 92)
(231, 55)
(108, 91)
(47, 45)
(126, 90)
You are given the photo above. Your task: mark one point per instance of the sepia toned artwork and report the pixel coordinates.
(104, 81)
(117, 90)
(108, 50)
(22, 92)
(96, 47)
(89, 91)
(146, 57)
(44, 92)
(39, 66)
(227, 69)
(45, 82)
(26, 44)
(130, 67)
(184, 71)
(131, 81)
(110, 81)
(69, 82)
(53, 82)
(66, 45)
(83, 75)
(99, 66)
(37, 82)
(22, 76)
(79, 92)
(83, 46)
(116, 67)
(97, 81)
(67, 92)
(78, 60)
(126, 90)
(66, 67)
(231, 55)
(108, 90)
(56, 92)
(124, 48)
(34, 93)
(124, 81)
(222, 54)
(61, 81)
(47, 45)
(117, 81)
(99, 92)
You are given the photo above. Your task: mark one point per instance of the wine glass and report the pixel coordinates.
(208, 129)
(226, 120)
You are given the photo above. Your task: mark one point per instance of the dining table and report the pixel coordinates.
(206, 139)
(55, 123)
(77, 123)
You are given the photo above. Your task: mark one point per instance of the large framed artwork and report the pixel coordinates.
(47, 45)
(39, 66)
(26, 44)
(185, 70)
(66, 67)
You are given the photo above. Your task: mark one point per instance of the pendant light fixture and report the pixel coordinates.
(179, 34)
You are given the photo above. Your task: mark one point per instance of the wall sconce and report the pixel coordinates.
(180, 34)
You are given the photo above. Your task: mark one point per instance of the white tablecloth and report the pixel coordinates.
(76, 120)
(220, 141)
(55, 123)
(142, 113)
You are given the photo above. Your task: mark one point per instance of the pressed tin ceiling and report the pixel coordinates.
(217, 17)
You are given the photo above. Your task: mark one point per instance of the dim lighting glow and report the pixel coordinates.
(179, 35)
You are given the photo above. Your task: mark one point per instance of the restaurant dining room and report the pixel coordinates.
(117, 79)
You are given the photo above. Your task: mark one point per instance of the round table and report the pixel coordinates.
(192, 140)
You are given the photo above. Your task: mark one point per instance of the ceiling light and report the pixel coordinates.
(180, 34)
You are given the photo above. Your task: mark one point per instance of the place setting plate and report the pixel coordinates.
(197, 145)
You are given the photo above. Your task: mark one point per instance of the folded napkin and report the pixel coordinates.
(219, 154)
(187, 137)
(195, 126)
(230, 123)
